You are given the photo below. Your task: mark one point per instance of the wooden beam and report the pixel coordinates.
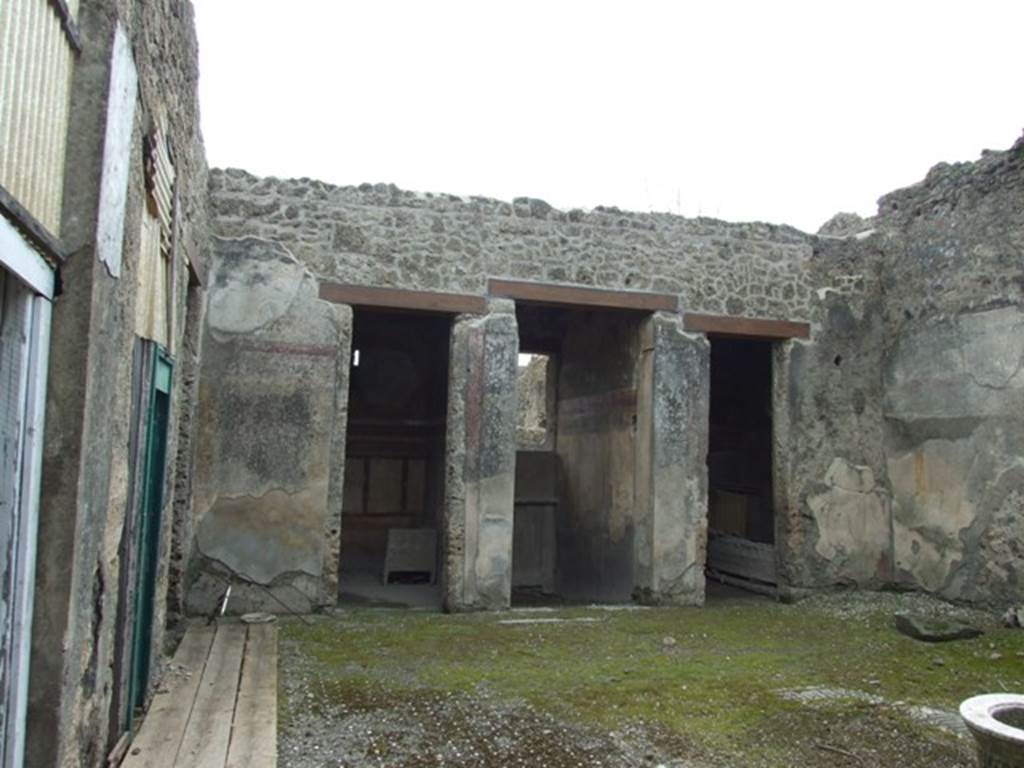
(400, 299)
(578, 296)
(745, 327)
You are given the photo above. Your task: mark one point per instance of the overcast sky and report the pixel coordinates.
(776, 111)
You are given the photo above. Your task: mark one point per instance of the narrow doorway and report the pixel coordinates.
(395, 459)
(147, 543)
(536, 481)
(741, 519)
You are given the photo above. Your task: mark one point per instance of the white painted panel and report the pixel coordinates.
(18, 257)
(15, 305)
(31, 480)
(117, 147)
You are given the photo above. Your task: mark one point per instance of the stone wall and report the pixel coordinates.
(953, 377)
(182, 530)
(535, 427)
(82, 612)
(912, 474)
(380, 235)
(267, 507)
(827, 426)
(862, 492)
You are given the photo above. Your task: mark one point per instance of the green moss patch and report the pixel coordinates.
(711, 685)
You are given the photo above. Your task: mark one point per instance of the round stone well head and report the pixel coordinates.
(996, 720)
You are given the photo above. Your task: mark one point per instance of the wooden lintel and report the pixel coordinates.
(403, 300)
(745, 327)
(578, 296)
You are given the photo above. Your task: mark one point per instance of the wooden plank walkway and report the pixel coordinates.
(223, 712)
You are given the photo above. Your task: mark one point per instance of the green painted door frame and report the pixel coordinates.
(148, 528)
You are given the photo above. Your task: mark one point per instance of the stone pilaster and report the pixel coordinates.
(336, 471)
(480, 464)
(672, 446)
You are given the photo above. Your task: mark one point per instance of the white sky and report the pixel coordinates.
(773, 110)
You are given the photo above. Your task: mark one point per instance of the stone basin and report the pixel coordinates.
(996, 720)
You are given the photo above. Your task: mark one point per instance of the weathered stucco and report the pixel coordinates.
(596, 526)
(931, 365)
(678, 467)
(954, 410)
(914, 318)
(898, 425)
(88, 513)
(480, 464)
(266, 519)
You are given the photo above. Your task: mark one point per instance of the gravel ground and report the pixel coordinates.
(460, 730)
(381, 715)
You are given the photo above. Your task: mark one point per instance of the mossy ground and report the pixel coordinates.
(705, 685)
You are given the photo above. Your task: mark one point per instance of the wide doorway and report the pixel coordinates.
(395, 459)
(741, 518)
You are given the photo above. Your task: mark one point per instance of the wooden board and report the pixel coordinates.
(742, 557)
(164, 726)
(533, 544)
(728, 511)
(578, 296)
(745, 327)
(206, 739)
(403, 300)
(254, 734)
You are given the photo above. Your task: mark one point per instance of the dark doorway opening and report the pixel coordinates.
(395, 458)
(573, 538)
(741, 519)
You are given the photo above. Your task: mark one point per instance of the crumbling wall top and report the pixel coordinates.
(952, 186)
(390, 196)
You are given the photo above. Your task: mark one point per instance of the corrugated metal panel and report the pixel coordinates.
(152, 308)
(36, 62)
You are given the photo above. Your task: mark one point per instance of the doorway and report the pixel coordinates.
(741, 518)
(147, 544)
(395, 458)
(575, 518)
